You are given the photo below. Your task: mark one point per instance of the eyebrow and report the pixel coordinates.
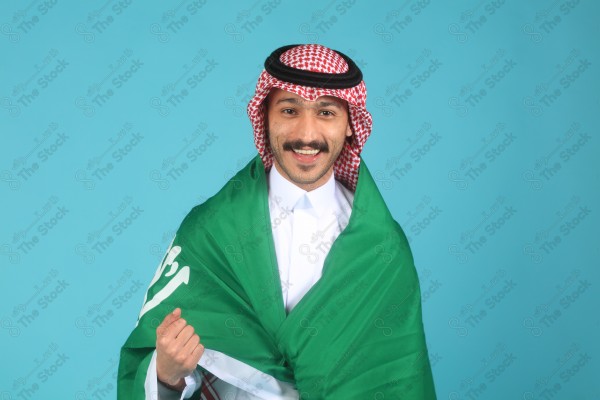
(319, 104)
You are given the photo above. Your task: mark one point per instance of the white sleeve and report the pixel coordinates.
(157, 391)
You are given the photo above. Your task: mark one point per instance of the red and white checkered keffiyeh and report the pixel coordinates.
(316, 58)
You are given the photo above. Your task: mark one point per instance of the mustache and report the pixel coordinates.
(299, 144)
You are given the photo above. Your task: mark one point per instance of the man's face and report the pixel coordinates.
(306, 137)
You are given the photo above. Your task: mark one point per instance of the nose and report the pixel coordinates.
(308, 127)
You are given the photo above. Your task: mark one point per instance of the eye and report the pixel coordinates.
(289, 111)
(327, 113)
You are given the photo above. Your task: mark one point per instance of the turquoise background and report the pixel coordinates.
(117, 117)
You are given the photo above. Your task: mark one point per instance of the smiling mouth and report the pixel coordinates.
(306, 149)
(311, 152)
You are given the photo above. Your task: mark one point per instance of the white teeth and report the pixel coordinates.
(306, 152)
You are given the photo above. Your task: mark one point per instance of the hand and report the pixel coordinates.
(178, 350)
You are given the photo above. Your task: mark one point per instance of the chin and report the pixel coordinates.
(311, 179)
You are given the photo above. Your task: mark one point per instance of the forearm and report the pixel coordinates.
(177, 387)
(184, 390)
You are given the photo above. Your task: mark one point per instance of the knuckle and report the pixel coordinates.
(179, 358)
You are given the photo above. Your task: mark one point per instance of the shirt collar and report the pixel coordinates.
(287, 194)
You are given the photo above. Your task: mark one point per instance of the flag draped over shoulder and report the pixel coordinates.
(357, 333)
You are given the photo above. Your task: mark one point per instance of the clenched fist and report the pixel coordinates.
(178, 350)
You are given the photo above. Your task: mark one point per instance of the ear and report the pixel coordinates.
(349, 129)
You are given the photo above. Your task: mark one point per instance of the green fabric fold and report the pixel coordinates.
(357, 333)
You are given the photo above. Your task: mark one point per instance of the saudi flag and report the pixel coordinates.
(356, 334)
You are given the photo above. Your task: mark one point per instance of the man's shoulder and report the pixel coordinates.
(243, 190)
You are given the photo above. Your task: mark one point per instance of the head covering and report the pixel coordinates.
(312, 71)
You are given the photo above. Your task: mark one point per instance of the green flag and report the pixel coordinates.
(356, 334)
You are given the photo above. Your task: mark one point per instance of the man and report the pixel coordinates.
(295, 276)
